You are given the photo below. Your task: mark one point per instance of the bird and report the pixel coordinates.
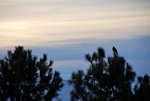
(115, 50)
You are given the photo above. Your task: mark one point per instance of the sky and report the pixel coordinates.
(68, 29)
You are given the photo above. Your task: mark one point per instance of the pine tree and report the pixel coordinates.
(24, 78)
(105, 80)
(142, 89)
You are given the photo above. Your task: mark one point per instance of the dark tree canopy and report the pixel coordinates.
(107, 80)
(142, 89)
(24, 78)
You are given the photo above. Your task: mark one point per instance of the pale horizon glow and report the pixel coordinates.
(38, 22)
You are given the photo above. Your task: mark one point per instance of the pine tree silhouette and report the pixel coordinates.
(105, 80)
(23, 78)
(142, 89)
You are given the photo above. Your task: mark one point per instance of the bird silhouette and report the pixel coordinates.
(115, 50)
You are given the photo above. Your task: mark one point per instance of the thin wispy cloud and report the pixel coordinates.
(34, 22)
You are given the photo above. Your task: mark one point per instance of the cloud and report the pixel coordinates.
(48, 20)
(67, 63)
(66, 67)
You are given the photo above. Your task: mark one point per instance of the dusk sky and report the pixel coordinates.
(68, 29)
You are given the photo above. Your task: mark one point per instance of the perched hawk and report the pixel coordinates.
(115, 50)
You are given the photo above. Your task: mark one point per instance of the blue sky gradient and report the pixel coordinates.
(70, 57)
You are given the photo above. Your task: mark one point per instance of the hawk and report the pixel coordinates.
(115, 50)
